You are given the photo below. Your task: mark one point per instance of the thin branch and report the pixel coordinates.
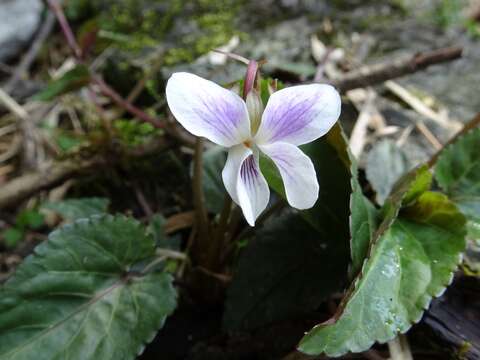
(54, 173)
(420, 107)
(117, 98)
(404, 65)
(233, 56)
(67, 30)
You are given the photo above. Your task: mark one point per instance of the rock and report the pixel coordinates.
(19, 20)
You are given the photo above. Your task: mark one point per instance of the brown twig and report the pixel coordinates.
(55, 173)
(391, 69)
(66, 29)
(112, 94)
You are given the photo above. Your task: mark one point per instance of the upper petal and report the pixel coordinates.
(207, 109)
(245, 183)
(299, 114)
(297, 171)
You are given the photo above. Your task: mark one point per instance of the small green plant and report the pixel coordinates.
(25, 221)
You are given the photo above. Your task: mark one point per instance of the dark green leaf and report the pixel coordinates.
(330, 158)
(74, 79)
(291, 256)
(213, 188)
(73, 209)
(77, 298)
(363, 218)
(386, 163)
(287, 269)
(157, 229)
(412, 261)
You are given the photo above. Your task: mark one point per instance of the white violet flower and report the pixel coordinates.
(293, 116)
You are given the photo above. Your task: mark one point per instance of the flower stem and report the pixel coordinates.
(198, 199)
(399, 348)
(219, 239)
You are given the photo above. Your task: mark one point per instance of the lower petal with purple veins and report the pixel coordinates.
(245, 183)
(252, 189)
(297, 172)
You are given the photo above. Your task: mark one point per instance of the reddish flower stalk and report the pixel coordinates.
(250, 77)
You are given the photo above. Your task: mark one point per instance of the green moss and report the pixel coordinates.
(216, 24)
(134, 25)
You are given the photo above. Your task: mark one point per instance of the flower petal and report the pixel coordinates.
(231, 170)
(299, 114)
(245, 183)
(207, 109)
(297, 171)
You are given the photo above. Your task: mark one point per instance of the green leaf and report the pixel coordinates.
(458, 173)
(363, 222)
(291, 256)
(157, 229)
(330, 158)
(213, 162)
(30, 218)
(73, 209)
(386, 163)
(72, 80)
(67, 143)
(286, 270)
(12, 236)
(78, 298)
(412, 261)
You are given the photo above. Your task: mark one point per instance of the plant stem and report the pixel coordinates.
(219, 239)
(198, 199)
(224, 217)
(399, 348)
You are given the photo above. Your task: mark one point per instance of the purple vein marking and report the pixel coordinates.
(222, 116)
(249, 172)
(290, 118)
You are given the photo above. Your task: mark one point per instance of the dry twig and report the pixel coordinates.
(54, 173)
(391, 69)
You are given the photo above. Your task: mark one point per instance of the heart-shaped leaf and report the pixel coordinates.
(79, 297)
(286, 270)
(73, 209)
(330, 158)
(411, 260)
(291, 256)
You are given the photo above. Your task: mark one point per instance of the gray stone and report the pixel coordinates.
(19, 19)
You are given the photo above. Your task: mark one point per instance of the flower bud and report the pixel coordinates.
(255, 110)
